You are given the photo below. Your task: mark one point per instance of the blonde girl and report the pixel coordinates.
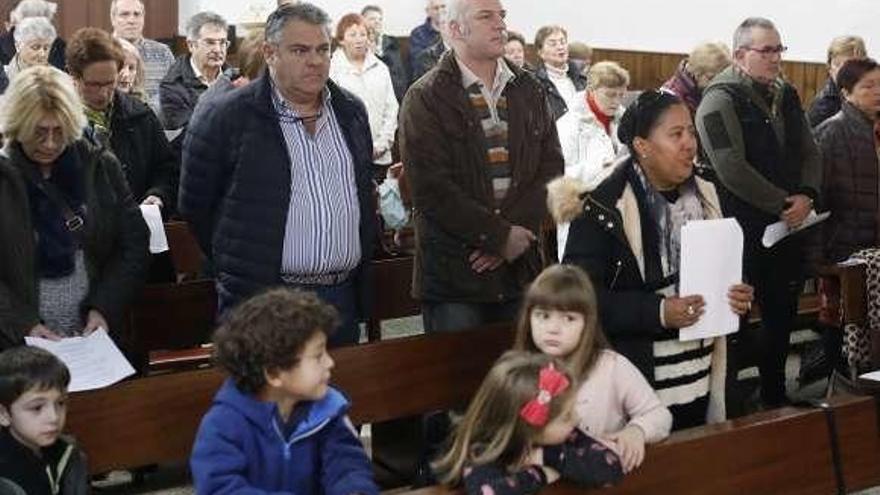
(519, 433)
(614, 401)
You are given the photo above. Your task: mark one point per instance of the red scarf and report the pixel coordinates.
(603, 119)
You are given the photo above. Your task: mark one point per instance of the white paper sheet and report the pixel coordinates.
(94, 361)
(873, 375)
(153, 217)
(172, 134)
(775, 232)
(711, 262)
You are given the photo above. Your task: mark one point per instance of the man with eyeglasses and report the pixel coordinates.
(277, 177)
(127, 18)
(192, 74)
(758, 141)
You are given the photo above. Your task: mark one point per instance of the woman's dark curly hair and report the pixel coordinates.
(268, 332)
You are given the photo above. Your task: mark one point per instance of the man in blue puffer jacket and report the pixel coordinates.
(276, 180)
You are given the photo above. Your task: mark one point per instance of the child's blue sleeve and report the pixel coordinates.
(345, 468)
(218, 461)
(584, 460)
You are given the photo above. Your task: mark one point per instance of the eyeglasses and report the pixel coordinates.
(99, 85)
(211, 43)
(768, 50)
(611, 93)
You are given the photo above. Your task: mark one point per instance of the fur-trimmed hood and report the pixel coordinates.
(566, 195)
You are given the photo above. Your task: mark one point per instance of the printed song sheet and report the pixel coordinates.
(711, 262)
(94, 361)
(775, 232)
(153, 218)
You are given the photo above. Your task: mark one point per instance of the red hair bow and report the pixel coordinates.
(551, 383)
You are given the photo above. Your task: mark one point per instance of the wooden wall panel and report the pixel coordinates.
(652, 69)
(161, 16)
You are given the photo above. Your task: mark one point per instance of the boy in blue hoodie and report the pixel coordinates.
(276, 426)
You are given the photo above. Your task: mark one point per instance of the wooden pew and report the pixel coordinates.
(784, 451)
(185, 251)
(173, 316)
(392, 279)
(153, 420)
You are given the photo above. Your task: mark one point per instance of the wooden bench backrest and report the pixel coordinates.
(154, 419)
(784, 451)
(174, 316)
(185, 251)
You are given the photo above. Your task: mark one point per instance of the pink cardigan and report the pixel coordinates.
(616, 395)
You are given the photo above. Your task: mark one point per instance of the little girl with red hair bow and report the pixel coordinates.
(519, 433)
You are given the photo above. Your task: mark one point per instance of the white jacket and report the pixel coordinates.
(372, 84)
(588, 150)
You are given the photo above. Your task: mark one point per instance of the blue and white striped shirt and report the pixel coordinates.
(323, 221)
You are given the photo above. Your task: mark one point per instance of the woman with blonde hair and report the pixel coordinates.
(74, 244)
(693, 74)
(829, 100)
(132, 75)
(588, 134)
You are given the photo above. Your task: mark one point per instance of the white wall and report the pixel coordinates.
(650, 25)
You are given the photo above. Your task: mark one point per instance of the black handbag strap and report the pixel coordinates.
(72, 220)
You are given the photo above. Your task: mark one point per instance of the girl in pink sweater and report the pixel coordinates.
(614, 401)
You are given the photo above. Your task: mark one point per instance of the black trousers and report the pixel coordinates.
(778, 278)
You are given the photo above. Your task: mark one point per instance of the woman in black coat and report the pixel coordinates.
(626, 235)
(74, 247)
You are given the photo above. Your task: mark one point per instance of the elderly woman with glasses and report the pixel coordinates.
(74, 244)
(588, 133)
(126, 125)
(33, 40)
(626, 233)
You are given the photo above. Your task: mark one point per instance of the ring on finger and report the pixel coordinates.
(690, 310)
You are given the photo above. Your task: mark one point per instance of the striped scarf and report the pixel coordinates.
(497, 142)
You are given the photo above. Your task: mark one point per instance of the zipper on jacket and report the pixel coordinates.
(616, 274)
(288, 444)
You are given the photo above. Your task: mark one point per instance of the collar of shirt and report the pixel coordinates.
(199, 75)
(503, 75)
(556, 72)
(287, 113)
(771, 93)
(341, 60)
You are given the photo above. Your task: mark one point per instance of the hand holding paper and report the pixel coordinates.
(775, 232)
(711, 263)
(94, 361)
